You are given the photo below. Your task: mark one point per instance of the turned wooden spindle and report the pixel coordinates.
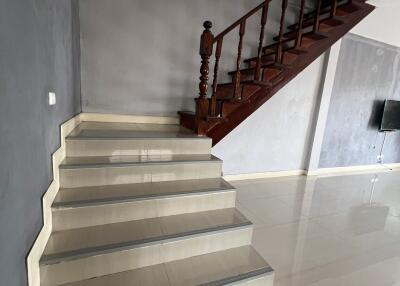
(257, 75)
(333, 8)
(317, 16)
(278, 56)
(215, 81)
(236, 88)
(206, 49)
(300, 25)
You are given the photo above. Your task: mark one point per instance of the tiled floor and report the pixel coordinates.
(339, 231)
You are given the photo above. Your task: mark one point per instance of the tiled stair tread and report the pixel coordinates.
(69, 244)
(130, 126)
(103, 194)
(94, 130)
(109, 161)
(214, 269)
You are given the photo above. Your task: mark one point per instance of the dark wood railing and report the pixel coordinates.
(208, 108)
(204, 107)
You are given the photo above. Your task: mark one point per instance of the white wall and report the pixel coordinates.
(276, 136)
(382, 24)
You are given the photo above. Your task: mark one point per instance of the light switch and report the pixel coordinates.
(52, 98)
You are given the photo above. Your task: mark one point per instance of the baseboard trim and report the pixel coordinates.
(264, 175)
(322, 172)
(336, 171)
(102, 117)
(34, 255)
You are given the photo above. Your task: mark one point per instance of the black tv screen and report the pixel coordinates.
(391, 116)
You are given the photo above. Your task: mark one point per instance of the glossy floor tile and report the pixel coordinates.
(323, 231)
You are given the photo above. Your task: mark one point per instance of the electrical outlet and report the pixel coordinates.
(380, 158)
(52, 98)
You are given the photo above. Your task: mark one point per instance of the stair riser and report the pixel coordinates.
(103, 264)
(137, 147)
(244, 76)
(266, 280)
(82, 177)
(68, 218)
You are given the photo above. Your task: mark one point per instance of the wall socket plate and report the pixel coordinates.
(52, 98)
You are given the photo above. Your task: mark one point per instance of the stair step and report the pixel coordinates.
(112, 248)
(186, 119)
(268, 73)
(311, 38)
(94, 139)
(326, 23)
(117, 170)
(89, 206)
(344, 10)
(247, 89)
(236, 266)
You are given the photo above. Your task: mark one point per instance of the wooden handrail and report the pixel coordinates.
(333, 8)
(300, 25)
(273, 65)
(207, 42)
(317, 16)
(278, 52)
(238, 22)
(207, 107)
(257, 75)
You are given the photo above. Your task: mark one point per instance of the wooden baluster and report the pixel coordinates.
(257, 75)
(333, 8)
(278, 56)
(213, 107)
(206, 49)
(317, 16)
(300, 25)
(238, 60)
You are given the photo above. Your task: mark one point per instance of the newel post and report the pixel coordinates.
(206, 50)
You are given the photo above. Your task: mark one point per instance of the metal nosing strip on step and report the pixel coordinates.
(240, 278)
(127, 164)
(137, 138)
(106, 249)
(127, 199)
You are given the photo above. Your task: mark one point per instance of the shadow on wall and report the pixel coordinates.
(376, 114)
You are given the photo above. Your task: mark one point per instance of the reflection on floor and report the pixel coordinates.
(327, 231)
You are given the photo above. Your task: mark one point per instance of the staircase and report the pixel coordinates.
(295, 46)
(145, 204)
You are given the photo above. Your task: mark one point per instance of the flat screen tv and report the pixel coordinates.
(391, 116)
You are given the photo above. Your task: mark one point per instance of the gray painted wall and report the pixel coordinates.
(141, 57)
(368, 73)
(277, 136)
(38, 53)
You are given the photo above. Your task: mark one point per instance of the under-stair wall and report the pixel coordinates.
(279, 131)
